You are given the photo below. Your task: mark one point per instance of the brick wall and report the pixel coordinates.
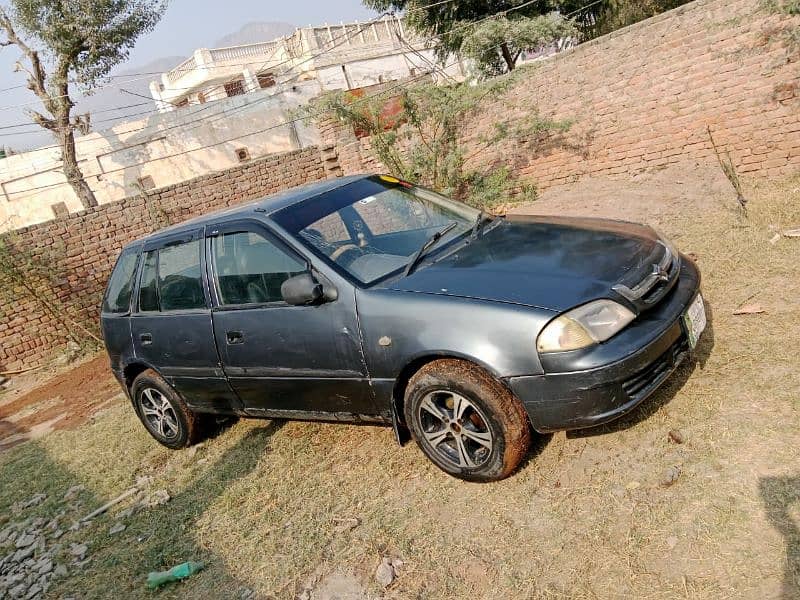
(642, 98)
(83, 246)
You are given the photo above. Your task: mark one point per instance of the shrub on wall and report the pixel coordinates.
(420, 139)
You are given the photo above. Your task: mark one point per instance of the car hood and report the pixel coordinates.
(554, 263)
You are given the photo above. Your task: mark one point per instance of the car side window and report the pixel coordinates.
(180, 279)
(148, 289)
(120, 285)
(172, 279)
(250, 269)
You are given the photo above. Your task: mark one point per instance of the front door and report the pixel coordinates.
(282, 360)
(171, 324)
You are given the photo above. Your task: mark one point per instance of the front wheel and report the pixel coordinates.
(465, 421)
(163, 412)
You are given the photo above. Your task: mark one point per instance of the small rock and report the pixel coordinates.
(397, 564)
(23, 554)
(57, 534)
(304, 595)
(44, 566)
(158, 498)
(35, 500)
(60, 571)
(73, 492)
(34, 591)
(18, 591)
(142, 481)
(749, 309)
(670, 476)
(384, 574)
(25, 540)
(348, 524)
(118, 528)
(78, 550)
(246, 594)
(677, 436)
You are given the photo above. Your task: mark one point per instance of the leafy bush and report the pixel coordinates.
(421, 140)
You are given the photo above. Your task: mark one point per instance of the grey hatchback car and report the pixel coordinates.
(368, 299)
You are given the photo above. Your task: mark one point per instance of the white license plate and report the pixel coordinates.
(694, 320)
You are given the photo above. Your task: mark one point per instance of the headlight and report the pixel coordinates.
(583, 326)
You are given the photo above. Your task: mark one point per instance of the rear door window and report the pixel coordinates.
(180, 280)
(172, 279)
(120, 285)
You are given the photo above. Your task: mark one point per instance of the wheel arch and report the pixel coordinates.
(132, 370)
(419, 361)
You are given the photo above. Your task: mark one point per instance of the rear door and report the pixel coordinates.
(171, 324)
(282, 360)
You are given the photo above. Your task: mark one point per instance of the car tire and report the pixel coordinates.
(163, 412)
(465, 421)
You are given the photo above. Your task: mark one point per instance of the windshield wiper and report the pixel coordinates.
(479, 221)
(429, 243)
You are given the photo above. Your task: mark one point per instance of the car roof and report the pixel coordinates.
(267, 205)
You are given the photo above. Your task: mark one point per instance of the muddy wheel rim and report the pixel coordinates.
(158, 413)
(455, 429)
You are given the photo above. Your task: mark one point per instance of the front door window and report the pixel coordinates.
(251, 269)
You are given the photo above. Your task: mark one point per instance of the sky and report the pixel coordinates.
(187, 25)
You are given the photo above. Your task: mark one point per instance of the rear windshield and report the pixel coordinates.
(120, 286)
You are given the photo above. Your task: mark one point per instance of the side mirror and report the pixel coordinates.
(302, 289)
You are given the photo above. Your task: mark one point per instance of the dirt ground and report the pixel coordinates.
(64, 397)
(307, 510)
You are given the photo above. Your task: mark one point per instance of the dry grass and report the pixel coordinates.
(584, 518)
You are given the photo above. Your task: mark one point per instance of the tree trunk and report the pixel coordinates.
(507, 56)
(73, 172)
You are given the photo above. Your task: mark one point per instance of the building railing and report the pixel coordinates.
(188, 65)
(245, 51)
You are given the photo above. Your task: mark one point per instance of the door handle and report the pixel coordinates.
(147, 339)
(234, 337)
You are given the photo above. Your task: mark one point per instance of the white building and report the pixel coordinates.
(258, 88)
(343, 56)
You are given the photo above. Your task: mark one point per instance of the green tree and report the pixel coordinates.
(72, 41)
(467, 27)
(606, 16)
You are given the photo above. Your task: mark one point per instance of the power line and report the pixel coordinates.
(222, 112)
(233, 139)
(431, 38)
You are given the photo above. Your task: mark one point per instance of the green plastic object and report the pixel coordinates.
(158, 578)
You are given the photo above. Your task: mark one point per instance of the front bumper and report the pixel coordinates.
(590, 387)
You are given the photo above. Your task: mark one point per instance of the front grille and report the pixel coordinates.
(649, 378)
(654, 286)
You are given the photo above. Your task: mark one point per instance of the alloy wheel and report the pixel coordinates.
(455, 428)
(159, 413)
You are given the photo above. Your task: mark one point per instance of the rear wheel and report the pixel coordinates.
(465, 421)
(163, 413)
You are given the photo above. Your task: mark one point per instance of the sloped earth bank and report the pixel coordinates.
(288, 510)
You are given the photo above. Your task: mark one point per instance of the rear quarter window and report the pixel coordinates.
(120, 285)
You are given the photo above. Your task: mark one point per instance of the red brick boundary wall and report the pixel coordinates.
(84, 246)
(643, 97)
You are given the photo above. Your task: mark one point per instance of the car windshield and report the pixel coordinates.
(374, 227)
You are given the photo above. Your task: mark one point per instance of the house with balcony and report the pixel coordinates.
(344, 56)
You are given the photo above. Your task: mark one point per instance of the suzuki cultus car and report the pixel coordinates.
(367, 299)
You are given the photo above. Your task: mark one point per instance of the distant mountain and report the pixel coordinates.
(252, 33)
